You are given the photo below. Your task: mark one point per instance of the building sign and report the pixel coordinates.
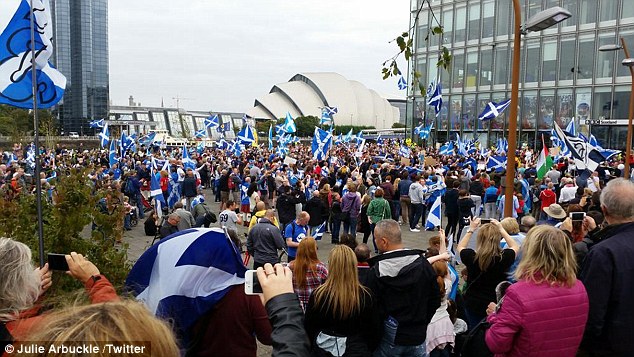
(606, 121)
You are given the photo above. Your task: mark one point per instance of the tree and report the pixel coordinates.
(398, 126)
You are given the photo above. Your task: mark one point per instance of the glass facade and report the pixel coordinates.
(563, 76)
(80, 37)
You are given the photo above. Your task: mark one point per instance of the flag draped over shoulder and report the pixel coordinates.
(16, 81)
(185, 275)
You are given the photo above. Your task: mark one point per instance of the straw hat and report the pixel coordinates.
(555, 211)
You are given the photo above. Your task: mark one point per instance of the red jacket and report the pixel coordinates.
(539, 320)
(99, 291)
(548, 197)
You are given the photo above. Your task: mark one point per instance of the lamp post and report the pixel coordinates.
(538, 22)
(629, 63)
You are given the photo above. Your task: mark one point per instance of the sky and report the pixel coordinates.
(220, 55)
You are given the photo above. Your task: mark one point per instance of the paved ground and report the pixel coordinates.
(138, 242)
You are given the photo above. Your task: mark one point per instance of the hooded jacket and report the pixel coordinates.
(404, 284)
(263, 242)
(351, 203)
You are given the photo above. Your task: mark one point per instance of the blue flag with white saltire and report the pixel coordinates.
(289, 124)
(359, 137)
(246, 135)
(326, 116)
(112, 153)
(16, 79)
(157, 194)
(321, 144)
(104, 136)
(30, 156)
(332, 110)
(202, 133)
(447, 149)
(319, 231)
(212, 122)
(187, 160)
(571, 128)
(433, 218)
(493, 110)
(148, 139)
(402, 83)
(419, 128)
(424, 133)
(99, 123)
(185, 275)
(404, 151)
(348, 137)
(434, 96)
(496, 162)
(271, 137)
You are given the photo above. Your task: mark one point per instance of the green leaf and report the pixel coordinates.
(410, 42)
(408, 54)
(437, 30)
(386, 75)
(405, 34)
(417, 74)
(395, 69)
(401, 43)
(423, 90)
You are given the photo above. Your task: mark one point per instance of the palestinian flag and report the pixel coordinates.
(544, 161)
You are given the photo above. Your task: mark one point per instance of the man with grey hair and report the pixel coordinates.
(607, 275)
(400, 276)
(526, 223)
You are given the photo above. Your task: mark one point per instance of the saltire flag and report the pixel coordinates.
(404, 151)
(271, 137)
(148, 139)
(212, 122)
(174, 192)
(321, 144)
(185, 275)
(471, 163)
(187, 160)
(418, 129)
(104, 136)
(16, 76)
(434, 96)
(424, 133)
(281, 151)
(586, 156)
(30, 156)
(496, 162)
(332, 111)
(246, 135)
(339, 139)
(99, 123)
(319, 231)
(112, 154)
(157, 194)
(289, 124)
(502, 145)
(544, 161)
(571, 128)
(493, 110)
(402, 83)
(348, 137)
(379, 140)
(359, 137)
(325, 119)
(433, 218)
(447, 149)
(127, 143)
(526, 193)
(202, 133)
(593, 141)
(462, 147)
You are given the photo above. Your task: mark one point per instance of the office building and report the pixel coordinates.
(80, 37)
(563, 75)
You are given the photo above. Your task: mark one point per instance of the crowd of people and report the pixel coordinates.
(545, 281)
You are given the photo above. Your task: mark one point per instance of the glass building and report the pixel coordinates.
(563, 76)
(80, 37)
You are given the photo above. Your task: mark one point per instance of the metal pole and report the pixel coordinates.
(515, 82)
(628, 142)
(36, 139)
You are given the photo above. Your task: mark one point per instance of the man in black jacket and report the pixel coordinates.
(404, 284)
(451, 210)
(317, 210)
(286, 206)
(607, 276)
(264, 241)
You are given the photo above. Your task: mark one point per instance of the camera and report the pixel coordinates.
(577, 216)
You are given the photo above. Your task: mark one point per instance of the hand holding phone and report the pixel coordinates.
(577, 216)
(251, 283)
(57, 262)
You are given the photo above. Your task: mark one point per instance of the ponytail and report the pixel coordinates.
(441, 284)
(441, 270)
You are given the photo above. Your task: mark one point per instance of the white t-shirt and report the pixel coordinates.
(229, 219)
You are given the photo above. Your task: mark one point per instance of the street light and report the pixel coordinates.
(538, 22)
(629, 63)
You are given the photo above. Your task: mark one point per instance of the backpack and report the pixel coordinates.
(129, 187)
(231, 184)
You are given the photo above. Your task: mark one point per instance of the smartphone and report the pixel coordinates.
(577, 216)
(57, 262)
(251, 284)
(485, 220)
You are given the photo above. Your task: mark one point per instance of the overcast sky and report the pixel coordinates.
(222, 54)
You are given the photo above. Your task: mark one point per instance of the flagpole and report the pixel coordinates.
(36, 139)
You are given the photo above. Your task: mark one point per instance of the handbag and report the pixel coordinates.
(474, 344)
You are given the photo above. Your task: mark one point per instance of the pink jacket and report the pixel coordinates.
(539, 320)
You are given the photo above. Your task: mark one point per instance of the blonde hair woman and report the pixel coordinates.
(308, 271)
(121, 323)
(487, 266)
(552, 303)
(340, 317)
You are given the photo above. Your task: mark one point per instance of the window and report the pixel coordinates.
(627, 10)
(472, 69)
(469, 115)
(608, 10)
(546, 110)
(455, 113)
(488, 18)
(628, 35)
(549, 61)
(474, 22)
(432, 69)
(605, 60)
(483, 101)
(423, 30)
(571, 6)
(461, 24)
(447, 23)
(503, 16)
(532, 61)
(602, 106)
(502, 56)
(529, 110)
(486, 61)
(567, 58)
(583, 102)
(498, 123)
(421, 67)
(585, 59)
(457, 72)
(564, 110)
(620, 102)
(587, 12)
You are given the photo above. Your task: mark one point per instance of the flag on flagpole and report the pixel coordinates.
(271, 137)
(319, 231)
(187, 160)
(434, 96)
(99, 123)
(104, 136)
(544, 162)
(402, 83)
(571, 128)
(289, 124)
(493, 110)
(433, 218)
(321, 143)
(157, 194)
(212, 122)
(246, 135)
(496, 162)
(112, 154)
(16, 77)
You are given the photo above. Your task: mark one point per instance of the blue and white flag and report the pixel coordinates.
(326, 118)
(224, 127)
(502, 146)
(571, 128)
(246, 135)
(174, 191)
(496, 162)
(104, 136)
(321, 144)
(112, 153)
(332, 110)
(30, 156)
(212, 122)
(424, 133)
(319, 231)
(447, 149)
(359, 137)
(419, 128)
(281, 151)
(289, 124)
(434, 96)
(99, 123)
(593, 141)
(271, 137)
(16, 85)
(587, 157)
(185, 275)
(187, 160)
(493, 110)
(404, 151)
(157, 194)
(433, 218)
(148, 139)
(127, 143)
(402, 83)
(202, 133)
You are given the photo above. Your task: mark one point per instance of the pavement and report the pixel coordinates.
(138, 242)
